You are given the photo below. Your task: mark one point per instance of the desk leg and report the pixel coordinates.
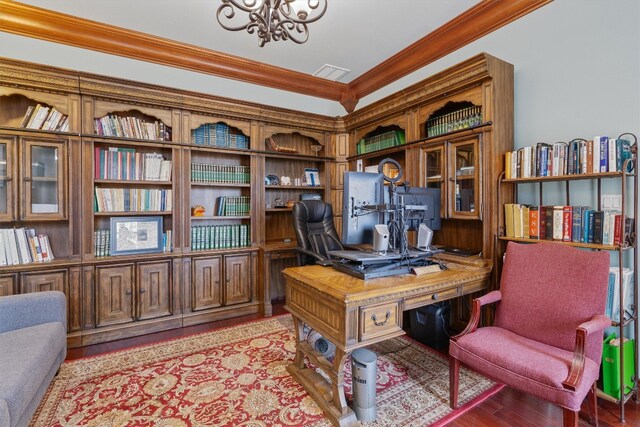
(329, 395)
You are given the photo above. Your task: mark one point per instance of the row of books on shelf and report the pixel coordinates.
(218, 135)
(599, 155)
(45, 118)
(612, 309)
(206, 237)
(456, 120)
(102, 242)
(132, 127)
(233, 205)
(578, 224)
(23, 246)
(234, 174)
(119, 163)
(132, 200)
(380, 142)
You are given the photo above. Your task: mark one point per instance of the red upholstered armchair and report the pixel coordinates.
(546, 339)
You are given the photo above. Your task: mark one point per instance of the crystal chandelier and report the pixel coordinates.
(272, 19)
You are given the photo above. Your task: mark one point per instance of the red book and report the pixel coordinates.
(542, 223)
(617, 229)
(96, 163)
(534, 222)
(567, 223)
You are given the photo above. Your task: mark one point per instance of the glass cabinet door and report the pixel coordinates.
(44, 166)
(464, 167)
(434, 162)
(7, 181)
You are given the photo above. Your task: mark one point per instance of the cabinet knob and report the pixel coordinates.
(435, 297)
(128, 292)
(27, 179)
(142, 291)
(451, 179)
(8, 178)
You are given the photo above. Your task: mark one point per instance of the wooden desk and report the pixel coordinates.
(353, 313)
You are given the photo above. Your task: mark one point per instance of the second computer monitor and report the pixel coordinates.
(428, 202)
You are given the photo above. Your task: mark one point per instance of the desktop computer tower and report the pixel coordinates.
(430, 325)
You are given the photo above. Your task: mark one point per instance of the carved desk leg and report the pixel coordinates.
(339, 399)
(329, 395)
(298, 360)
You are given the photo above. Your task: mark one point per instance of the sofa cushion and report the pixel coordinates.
(25, 360)
(523, 363)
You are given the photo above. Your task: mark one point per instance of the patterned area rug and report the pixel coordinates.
(236, 377)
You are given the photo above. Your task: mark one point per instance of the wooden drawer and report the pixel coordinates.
(430, 298)
(379, 320)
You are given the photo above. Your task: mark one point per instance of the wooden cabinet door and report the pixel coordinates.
(8, 180)
(205, 286)
(114, 295)
(434, 167)
(237, 277)
(44, 172)
(46, 281)
(464, 177)
(7, 285)
(154, 289)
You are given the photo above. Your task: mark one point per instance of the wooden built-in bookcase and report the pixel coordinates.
(197, 278)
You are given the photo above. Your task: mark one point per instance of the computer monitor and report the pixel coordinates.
(362, 192)
(428, 198)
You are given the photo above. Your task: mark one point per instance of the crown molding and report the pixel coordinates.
(476, 22)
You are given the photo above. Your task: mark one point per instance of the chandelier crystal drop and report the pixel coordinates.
(272, 19)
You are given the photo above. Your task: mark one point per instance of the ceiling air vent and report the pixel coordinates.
(331, 72)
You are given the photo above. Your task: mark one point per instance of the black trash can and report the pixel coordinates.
(430, 325)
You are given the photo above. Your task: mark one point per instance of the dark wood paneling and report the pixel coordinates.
(237, 279)
(206, 291)
(8, 285)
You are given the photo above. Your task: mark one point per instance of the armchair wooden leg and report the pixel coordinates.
(454, 378)
(569, 418)
(592, 400)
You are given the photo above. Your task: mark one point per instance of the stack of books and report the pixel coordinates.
(579, 156)
(456, 120)
(612, 309)
(23, 246)
(207, 237)
(579, 224)
(218, 135)
(132, 127)
(380, 142)
(119, 163)
(45, 118)
(102, 242)
(233, 205)
(132, 200)
(225, 174)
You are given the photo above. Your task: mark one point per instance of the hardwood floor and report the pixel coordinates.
(508, 408)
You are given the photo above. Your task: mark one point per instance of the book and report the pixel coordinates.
(598, 218)
(558, 222)
(567, 223)
(534, 224)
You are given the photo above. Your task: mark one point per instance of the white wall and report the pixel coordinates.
(577, 69)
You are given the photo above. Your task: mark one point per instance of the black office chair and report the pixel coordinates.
(315, 231)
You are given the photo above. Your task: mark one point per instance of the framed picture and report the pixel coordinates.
(136, 235)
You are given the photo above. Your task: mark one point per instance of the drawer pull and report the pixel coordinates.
(434, 297)
(375, 319)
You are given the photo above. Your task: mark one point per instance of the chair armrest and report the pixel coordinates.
(596, 324)
(319, 258)
(24, 310)
(489, 298)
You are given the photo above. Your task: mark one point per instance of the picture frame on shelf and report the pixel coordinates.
(136, 235)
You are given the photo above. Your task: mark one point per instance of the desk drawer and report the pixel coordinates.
(379, 320)
(431, 297)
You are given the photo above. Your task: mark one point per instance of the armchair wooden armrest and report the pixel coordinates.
(489, 298)
(596, 324)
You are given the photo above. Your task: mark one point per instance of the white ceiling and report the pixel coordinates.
(353, 34)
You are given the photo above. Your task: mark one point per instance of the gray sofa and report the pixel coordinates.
(33, 344)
